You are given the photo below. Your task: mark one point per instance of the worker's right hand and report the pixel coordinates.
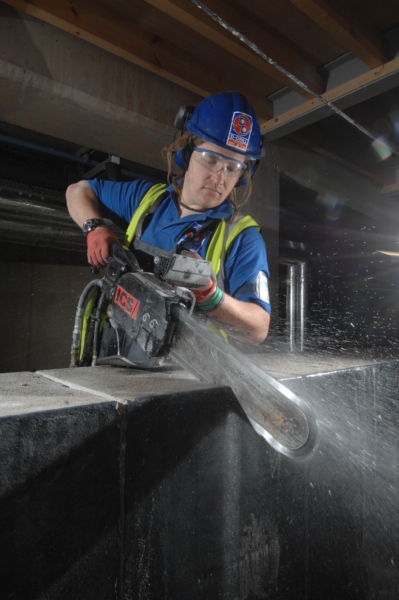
(98, 246)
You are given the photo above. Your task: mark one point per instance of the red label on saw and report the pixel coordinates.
(126, 302)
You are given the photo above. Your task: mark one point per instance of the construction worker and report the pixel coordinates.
(218, 151)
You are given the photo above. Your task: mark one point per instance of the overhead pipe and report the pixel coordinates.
(111, 166)
(45, 150)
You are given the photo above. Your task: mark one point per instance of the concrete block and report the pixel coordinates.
(159, 488)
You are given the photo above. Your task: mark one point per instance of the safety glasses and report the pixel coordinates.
(216, 162)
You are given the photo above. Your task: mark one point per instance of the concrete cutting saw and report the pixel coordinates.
(136, 318)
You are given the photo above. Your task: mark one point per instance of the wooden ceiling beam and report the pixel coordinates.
(345, 23)
(102, 27)
(186, 13)
(359, 89)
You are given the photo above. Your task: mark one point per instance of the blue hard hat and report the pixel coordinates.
(229, 121)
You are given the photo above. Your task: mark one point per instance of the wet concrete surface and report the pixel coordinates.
(282, 364)
(52, 388)
(60, 388)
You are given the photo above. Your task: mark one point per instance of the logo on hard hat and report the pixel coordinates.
(240, 131)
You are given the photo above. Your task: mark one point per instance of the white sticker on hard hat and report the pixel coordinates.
(240, 131)
(262, 287)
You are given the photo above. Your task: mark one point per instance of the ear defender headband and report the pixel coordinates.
(182, 156)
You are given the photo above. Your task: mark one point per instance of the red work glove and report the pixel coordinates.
(209, 297)
(98, 244)
(204, 293)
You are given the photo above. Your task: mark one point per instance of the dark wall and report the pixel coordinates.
(40, 291)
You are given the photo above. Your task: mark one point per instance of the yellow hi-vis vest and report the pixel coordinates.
(221, 240)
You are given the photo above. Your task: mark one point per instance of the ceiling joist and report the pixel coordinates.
(266, 50)
(357, 90)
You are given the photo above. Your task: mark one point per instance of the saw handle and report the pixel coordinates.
(184, 271)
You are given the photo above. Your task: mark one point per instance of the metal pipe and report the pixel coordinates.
(139, 172)
(302, 267)
(296, 304)
(291, 304)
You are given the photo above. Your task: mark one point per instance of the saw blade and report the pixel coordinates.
(287, 422)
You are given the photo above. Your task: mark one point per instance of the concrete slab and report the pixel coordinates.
(28, 392)
(282, 364)
(60, 388)
(123, 385)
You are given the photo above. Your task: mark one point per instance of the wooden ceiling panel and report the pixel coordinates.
(383, 14)
(199, 22)
(233, 67)
(347, 24)
(293, 26)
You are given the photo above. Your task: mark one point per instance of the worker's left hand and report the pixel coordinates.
(205, 292)
(209, 296)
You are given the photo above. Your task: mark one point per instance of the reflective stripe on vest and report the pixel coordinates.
(221, 240)
(145, 204)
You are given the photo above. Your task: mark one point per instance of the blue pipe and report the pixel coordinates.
(45, 150)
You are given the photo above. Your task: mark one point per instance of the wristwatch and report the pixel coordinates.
(92, 224)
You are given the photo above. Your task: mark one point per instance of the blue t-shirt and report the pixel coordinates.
(246, 267)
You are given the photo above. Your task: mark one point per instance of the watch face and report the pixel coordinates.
(91, 224)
